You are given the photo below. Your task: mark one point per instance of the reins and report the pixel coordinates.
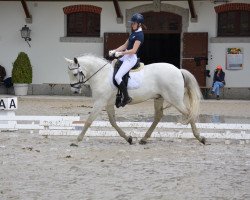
(94, 73)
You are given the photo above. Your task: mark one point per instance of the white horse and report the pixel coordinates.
(161, 81)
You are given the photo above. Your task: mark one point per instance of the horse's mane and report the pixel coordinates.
(92, 58)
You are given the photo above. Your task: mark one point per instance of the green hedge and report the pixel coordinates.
(22, 69)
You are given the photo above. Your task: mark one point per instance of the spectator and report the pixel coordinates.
(218, 81)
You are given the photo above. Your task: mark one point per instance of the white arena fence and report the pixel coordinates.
(72, 125)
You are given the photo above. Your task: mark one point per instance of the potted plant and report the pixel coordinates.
(21, 74)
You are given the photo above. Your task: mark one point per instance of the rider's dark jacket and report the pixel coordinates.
(136, 35)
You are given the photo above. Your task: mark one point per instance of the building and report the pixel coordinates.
(196, 35)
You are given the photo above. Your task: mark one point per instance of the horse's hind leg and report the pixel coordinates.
(111, 114)
(158, 105)
(182, 108)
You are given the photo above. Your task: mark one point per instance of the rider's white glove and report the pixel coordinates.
(118, 54)
(111, 53)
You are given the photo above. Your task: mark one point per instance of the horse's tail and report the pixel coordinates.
(192, 95)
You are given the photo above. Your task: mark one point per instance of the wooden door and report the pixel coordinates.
(194, 57)
(113, 41)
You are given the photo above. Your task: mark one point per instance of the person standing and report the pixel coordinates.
(129, 51)
(218, 81)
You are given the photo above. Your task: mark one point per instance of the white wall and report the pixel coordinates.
(207, 22)
(47, 52)
(234, 78)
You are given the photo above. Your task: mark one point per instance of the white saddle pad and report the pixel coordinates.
(135, 80)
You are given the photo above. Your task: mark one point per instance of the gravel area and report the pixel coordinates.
(38, 167)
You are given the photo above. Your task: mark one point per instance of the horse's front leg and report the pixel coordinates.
(158, 105)
(111, 114)
(95, 111)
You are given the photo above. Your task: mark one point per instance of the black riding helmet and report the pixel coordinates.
(137, 17)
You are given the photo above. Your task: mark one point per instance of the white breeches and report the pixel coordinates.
(129, 60)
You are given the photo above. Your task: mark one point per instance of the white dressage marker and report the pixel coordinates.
(8, 105)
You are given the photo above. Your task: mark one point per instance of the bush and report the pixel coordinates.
(22, 69)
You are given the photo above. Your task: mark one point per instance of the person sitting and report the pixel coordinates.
(129, 51)
(218, 81)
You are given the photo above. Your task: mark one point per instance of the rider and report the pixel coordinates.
(129, 51)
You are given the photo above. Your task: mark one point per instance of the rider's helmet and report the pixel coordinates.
(137, 17)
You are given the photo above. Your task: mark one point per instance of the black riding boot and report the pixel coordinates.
(126, 99)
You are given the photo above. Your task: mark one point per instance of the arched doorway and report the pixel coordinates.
(162, 41)
(167, 25)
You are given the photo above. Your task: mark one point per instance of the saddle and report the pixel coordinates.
(125, 78)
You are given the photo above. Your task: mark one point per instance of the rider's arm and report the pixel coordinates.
(122, 47)
(134, 49)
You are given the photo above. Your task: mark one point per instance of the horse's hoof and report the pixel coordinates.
(203, 140)
(73, 145)
(130, 139)
(79, 138)
(143, 142)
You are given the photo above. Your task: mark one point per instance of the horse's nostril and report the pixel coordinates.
(75, 74)
(74, 89)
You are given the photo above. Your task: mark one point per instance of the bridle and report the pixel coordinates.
(76, 71)
(82, 76)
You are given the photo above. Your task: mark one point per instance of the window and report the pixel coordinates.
(234, 23)
(83, 24)
(83, 21)
(233, 19)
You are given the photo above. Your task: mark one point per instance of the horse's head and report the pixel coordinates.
(76, 75)
(87, 69)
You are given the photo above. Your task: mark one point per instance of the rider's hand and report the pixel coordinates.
(118, 54)
(111, 53)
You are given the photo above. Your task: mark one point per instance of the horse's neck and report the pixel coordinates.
(88, 66)
(96, 68)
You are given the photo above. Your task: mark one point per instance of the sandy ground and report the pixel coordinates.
(53, 105)
(37, 167)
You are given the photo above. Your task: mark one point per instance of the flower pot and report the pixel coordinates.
(21, 89)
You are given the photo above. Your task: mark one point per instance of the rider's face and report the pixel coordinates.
(134, 25)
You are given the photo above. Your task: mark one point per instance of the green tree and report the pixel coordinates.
(22, 69)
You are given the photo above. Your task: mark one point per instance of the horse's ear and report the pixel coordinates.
(68, 60)
(75, 61)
